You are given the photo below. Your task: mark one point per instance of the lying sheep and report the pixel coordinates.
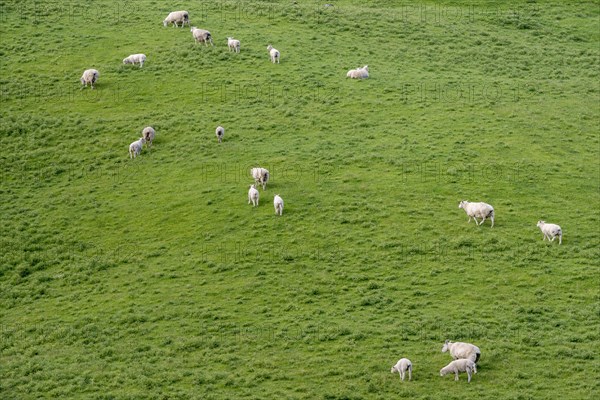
(278, 204)
(177, 17)
(462, 365)
(358, 73)
(233, 44)
(274, 53)
(220, 132)
(550, 231)
(261, 176)
(478, 210)
(148, 134)
(135, 148)
(401, 367)
(462, 350)
(253, 196)
(135, 58)
(201, 36)
(89, 76)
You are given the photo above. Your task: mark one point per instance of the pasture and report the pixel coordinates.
(153, 278)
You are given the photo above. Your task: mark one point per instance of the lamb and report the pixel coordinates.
(401, 367)
(274, 53)
(358, 73)
(462, 365)
(253, 196)
(135, 148)
(478, 210)
(89, 76)
(233, 44)
(462, 350)
(550, 231)
(261, 176)
(148, 134)
(278, 204)
(201, 36)
(176, 17)
(135, 58)
(220, 132)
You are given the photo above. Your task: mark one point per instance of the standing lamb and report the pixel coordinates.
(401, 367)
(233, 44)
(201, 36)
(177, 17)
(274, 53)
(148, 134)
(478, 210)
(261, 176)
(89, 76)
(220, 132)
(135, 148)
(462, 365)
(359, 73)
(253, 196)
(462, 350)
(135, 58)
(550, 231)
(278, 204)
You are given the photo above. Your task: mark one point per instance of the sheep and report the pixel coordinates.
(148, 134)
(401, 367)
(135, 148)
(358, 73)
(201, 36)
(478, 210)
(274, 53)
(462, 350)
(135, 58)
(261, 176)
(89, 76)
(233, 44)
(220, 132)
(550, 231)
(253, 196)
(278, 204)
(176, 17)
(462, 365)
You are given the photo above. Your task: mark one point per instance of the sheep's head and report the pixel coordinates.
(540, 223)
(165, 22)
(269, 47)
(393, 369)
(192, 28)
(462, 204)
(442, 372)
(445, 346)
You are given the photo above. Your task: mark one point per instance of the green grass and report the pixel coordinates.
(152, 278)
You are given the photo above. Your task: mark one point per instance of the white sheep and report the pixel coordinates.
(358, 73)
(135, 58)
(148, 134)
(462, 365)
(274, 53)
(401, 367)
(177, 17)
(278, 204)
(220, 132)
(201, 36)
(462, 350)
(89, 76)
(478, 210)
(135, 148)
(261, 176)
(550, 231)
(253, 196)
(233, 44)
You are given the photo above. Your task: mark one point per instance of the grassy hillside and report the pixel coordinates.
(153, 278)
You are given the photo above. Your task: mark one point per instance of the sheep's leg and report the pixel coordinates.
(560, 239)
(482, 221)
(456, 375)
(401, 376)
(469, 375)
(410, 374)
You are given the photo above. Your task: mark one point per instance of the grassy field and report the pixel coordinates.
(154, 279)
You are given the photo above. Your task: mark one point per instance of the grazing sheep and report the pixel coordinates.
(550, 231)
(135, 148)
(358, 73)
(462, 365)
(176, 17)
(274, 53)
(201, 36)
(253, 196)
(89, 76)
(261, 176)
(148, 134)
(220, 132)
(233, 44)
(278, 204)
(478, 210)
(462, 350)
(135, 58)
(401, 367)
